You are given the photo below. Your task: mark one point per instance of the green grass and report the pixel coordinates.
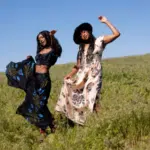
(122, 124)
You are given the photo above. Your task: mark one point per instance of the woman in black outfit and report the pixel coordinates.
(34, 79)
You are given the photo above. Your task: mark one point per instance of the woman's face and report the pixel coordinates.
(85, 35)
(42, 40)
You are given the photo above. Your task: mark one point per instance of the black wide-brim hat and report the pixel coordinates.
(77, 33)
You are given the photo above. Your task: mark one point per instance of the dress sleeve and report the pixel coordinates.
(79, 55)
(53, 59)
(99, 45)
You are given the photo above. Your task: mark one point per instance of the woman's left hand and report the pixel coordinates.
(53, 32)
(29, 56)
(109, 38)
(103, 19)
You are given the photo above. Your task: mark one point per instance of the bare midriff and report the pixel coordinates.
(41, 68)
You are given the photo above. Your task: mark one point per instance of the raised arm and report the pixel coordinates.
(115, 33)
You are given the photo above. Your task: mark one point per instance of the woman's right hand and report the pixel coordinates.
(68, 76)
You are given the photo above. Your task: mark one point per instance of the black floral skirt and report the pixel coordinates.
(37, 87)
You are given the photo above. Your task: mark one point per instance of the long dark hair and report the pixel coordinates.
(51, 41)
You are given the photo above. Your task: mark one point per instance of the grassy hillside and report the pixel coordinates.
(123, 122)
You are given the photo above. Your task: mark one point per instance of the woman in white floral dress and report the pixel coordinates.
(79, 95)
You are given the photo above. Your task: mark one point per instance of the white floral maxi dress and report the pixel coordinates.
(77, 104)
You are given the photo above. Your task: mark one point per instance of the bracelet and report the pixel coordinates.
(76, 67)
(85, 79)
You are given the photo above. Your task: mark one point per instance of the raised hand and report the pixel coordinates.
(103, 19)
(28, 56)
(52, 32)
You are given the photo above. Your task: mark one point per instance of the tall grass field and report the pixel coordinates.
(123, 122)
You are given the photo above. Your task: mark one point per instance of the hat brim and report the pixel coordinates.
(77, 33)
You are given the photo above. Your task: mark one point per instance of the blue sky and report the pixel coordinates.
(21, 21)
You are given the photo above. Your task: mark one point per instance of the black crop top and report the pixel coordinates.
(48, 59)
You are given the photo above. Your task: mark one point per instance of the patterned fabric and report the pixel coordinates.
(19, 73)
(76, 104)
(48, 59)
(37, 87)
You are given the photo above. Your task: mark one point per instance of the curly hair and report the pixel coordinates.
(51, 41)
